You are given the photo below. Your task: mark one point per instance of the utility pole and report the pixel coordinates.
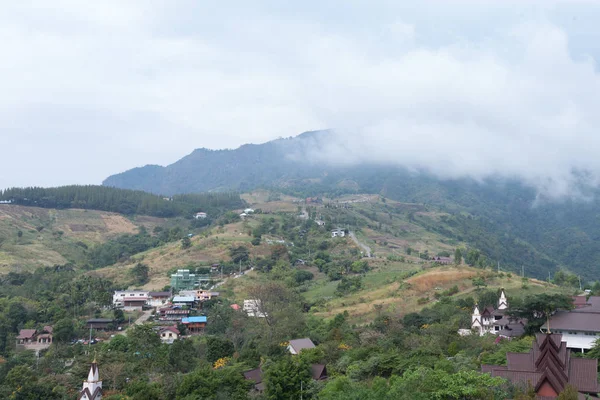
(522, 271)
(579, 282)
(240, 266)
(300, 390)
(498, 266)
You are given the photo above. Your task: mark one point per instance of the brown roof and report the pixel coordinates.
(26, 333)
(318, 371)
(301, 344)
(575, 320)
(254, 375)
(170, 329)
(548, 363)
(47, 328)
(159, 294)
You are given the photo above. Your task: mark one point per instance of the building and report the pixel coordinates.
(249, 211)
(158, 299)
(200, 215)
(579, 327)
(184, 301)
(183, 280)
(297, 345)
(134, 303)
(443, 260)
(119, 296)
(168, 334)
(32, 339)
(253, 307)
(548, 368)
(92, 387)
(172, 313)
(200, 294)
(100, 324)
(319, 222)
(496, 320)
(338, 233)
(194, 325)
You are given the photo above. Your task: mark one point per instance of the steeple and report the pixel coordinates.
(502, 301)
(92, 387)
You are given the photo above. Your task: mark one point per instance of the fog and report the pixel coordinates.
(467, 89)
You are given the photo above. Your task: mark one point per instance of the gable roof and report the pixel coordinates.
(301, 344)
(318, 371)
(169, 329)
(548, 363)
(26, 333)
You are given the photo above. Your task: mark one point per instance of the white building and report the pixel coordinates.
(92, 387)
(249, 211)
(158, 299)
(338, 233)
(253, 308)
(579, 327)
(496, 320)
(120, 295)
(200, 215)
(168, 334)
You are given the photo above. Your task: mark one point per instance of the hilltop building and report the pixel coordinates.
(548, 368)
(92, 387)
(184, 280)
(497, 321)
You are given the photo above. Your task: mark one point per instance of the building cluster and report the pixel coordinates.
(496, 320)
(34, 339)
(579, 327)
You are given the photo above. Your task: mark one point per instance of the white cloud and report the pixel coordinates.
(93, 89)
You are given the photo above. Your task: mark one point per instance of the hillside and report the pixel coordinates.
(507, 220)
(33, 236)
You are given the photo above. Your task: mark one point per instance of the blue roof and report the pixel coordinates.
(183, 299)
(193, 319)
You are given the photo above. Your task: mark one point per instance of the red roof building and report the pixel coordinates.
(548, 368)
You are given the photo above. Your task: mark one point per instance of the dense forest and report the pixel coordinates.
(128, 202)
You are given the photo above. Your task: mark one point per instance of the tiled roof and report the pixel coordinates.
(301, 344)
(26, 333)
(254, 375)
(548, 363)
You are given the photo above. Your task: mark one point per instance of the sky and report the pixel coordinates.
(459, 88)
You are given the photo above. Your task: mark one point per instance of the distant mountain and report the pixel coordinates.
(498, 216)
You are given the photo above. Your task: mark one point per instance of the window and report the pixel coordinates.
(122, 294)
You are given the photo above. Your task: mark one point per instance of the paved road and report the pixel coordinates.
(366, 249)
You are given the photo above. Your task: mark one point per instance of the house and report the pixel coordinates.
(157, 299)
(92, 387)
(134, 303)
(548, 368)
(320, 222)
(338, 233)
(318, 372)
(199, 295)
(297, 345)
(172, 313)
(168, 334)
(252, 307)
(184, 301)
(100, 324)
(249, 211)
(26, 336)
(200, 215)
(579, 327)
(443, 260)
(194, 325)
(32, 339)
(497, 321)
(119, 296)
(235, 307)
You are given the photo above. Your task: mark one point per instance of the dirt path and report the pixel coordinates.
(366, 249)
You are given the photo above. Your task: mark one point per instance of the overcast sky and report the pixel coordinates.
(469, 88)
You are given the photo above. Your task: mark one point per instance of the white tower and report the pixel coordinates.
(502, 301)
(92, 388)
(476, 320)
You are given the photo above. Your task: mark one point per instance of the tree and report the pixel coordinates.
(284, 379)
(218, 348)
(20, 234)
(140, 273)
(207, 383)
(479, 282)
(538, 308)
(118, 315)
(186, 243)
(568, 393)
(457, 257)
(239, 253)
(63, 330)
